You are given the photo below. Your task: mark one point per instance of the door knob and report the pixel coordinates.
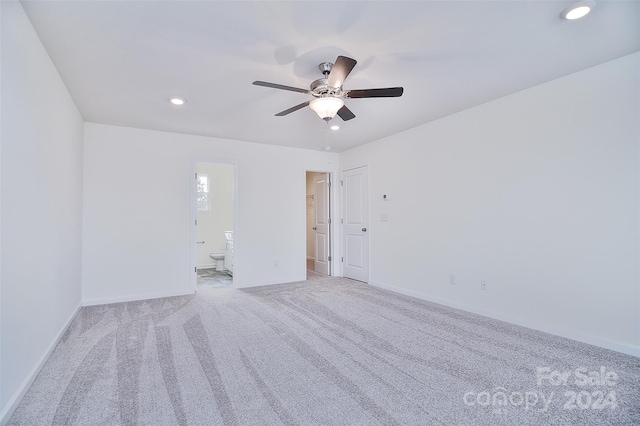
(364, 229)
(314, 228)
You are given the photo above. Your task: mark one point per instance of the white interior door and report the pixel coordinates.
(356, 222)
(322, 222)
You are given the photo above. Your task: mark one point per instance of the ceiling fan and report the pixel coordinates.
(328, 93)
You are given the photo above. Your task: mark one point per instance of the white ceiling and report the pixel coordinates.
(122, 60)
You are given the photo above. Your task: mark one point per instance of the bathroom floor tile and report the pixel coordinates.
(213, 278)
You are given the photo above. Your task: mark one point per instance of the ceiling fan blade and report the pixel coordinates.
(340, 71)
(345, 113)
(391, 92)
(279, 86)
(292, 109)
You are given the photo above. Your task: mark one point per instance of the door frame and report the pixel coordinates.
(343, 213)
(194, 214)
(333, 271)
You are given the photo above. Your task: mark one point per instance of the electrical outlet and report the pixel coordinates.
(483, 284)
(452, 279)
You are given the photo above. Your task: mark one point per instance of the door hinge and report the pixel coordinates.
(342, 221)
(329, 184)
(195, 269)
(196, 222)
(329, 258)
(342, 259)
(341, 183)
(329, 222)
(196, 176)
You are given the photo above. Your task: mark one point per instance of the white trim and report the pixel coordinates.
(14, 401)
(546, 328)
(133, 298)
(354, 166)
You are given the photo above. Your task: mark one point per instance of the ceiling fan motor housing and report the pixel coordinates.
(319, 87)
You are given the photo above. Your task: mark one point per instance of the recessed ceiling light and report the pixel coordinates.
(335, 127)
(577, 10)
(177, 101)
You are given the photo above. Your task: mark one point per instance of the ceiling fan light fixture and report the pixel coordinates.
(326, 107)
(578, 10)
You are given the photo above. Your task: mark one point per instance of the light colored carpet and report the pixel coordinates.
(326, 351)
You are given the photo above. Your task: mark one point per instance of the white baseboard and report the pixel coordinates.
(206, 266)
(133, 297)
(14, 401)
(558, 331)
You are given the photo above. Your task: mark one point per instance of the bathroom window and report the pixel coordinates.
(202, 193)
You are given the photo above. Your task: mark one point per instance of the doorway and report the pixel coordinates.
(356, 223)
(214, 219)
(318, 223)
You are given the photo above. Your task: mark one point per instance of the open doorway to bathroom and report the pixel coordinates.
(214, 223)
(318, 222)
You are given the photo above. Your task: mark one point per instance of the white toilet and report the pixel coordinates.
(219, 258)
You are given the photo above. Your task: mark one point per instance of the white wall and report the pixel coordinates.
(41, 206)
(536, 193)
(213, 223)
(129, 254)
